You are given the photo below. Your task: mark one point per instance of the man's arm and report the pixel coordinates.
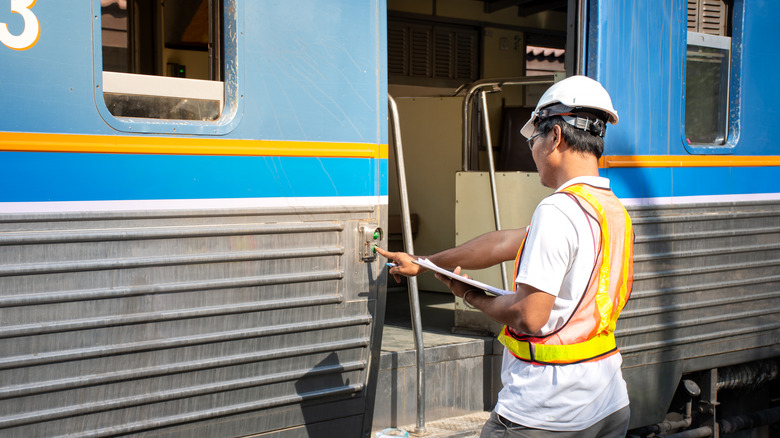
(525, 311)
(481, 252)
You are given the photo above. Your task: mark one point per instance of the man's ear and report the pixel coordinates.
(557, 138)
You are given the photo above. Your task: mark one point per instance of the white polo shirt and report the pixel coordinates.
(558, 258)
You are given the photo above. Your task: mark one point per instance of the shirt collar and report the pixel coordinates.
(596, 181)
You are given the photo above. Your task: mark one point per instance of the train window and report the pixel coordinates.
(708, 71)
(164, 60)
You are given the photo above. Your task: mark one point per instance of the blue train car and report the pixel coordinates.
(191, 190)
(188, 199)
(694, 159)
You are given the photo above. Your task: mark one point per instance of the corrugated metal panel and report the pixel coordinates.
(185, 325)
(705, 282)
(706, 295)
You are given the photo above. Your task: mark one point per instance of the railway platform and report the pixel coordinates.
(461, 371)
(464, 426)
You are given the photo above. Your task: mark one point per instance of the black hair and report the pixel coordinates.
(577, 139)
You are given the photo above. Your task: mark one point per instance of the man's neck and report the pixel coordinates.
(576, 164)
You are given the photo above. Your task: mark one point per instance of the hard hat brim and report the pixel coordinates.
(528, 128)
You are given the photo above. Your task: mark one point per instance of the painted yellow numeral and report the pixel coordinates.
(31, 31)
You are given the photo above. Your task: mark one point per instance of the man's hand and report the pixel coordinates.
(404, 264)
(458, 288)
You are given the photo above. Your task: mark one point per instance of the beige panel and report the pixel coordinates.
(431, 134)
(504, 57)
(518, 195)
(504, 53)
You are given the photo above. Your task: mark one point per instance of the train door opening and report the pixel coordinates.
(436, 50)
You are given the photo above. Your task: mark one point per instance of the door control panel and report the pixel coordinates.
(370, 235)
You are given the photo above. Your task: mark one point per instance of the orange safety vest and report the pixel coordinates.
(589, 333)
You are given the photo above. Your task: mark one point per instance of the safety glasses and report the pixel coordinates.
(531, 139)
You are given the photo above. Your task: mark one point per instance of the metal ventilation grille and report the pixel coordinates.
(708, 16)
(466, 56)
(432, 52)
(398, 50)
(443, 59)
(421, 52)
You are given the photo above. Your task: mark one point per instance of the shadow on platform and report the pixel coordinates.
(462, 372)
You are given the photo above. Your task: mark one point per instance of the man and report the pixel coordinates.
(573, 273)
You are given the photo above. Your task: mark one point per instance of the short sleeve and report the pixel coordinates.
(549, 250)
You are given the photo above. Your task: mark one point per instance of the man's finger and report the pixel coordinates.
(385, 254)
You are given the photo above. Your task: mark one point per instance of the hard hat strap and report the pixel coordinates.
(581, 120)
(594, 126)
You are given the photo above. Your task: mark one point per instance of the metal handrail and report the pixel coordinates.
(493, 189)
(496, 85)
(482, 87)
(414, 301)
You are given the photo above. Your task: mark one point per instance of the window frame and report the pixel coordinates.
(734, 87)
(232, 33)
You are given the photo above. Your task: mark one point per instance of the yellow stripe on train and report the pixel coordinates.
(111, 144)
(613, 161)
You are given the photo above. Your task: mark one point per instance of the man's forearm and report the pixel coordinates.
(479, 253)
(483, 251)
(527, 311)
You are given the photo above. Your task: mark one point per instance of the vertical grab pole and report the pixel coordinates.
(414, 301)
(493, 189)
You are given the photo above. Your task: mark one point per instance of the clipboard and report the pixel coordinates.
(471, 282)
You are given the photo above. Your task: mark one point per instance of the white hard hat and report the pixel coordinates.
(574, 92)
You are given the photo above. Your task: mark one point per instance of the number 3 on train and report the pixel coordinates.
(30, 33)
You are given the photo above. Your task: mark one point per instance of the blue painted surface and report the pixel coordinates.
(80, 177)
(640, 45)
(307, 70)
(48, 88)
(315, 71)
(317, 75)
(640, 183)
(637, 50)
(691, 181)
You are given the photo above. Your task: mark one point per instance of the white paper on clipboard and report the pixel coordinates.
(479, 285)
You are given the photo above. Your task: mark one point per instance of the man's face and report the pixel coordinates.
(540, 151)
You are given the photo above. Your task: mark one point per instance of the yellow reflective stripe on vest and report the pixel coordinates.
(628, 254)
(594, 347)
(603, 300)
